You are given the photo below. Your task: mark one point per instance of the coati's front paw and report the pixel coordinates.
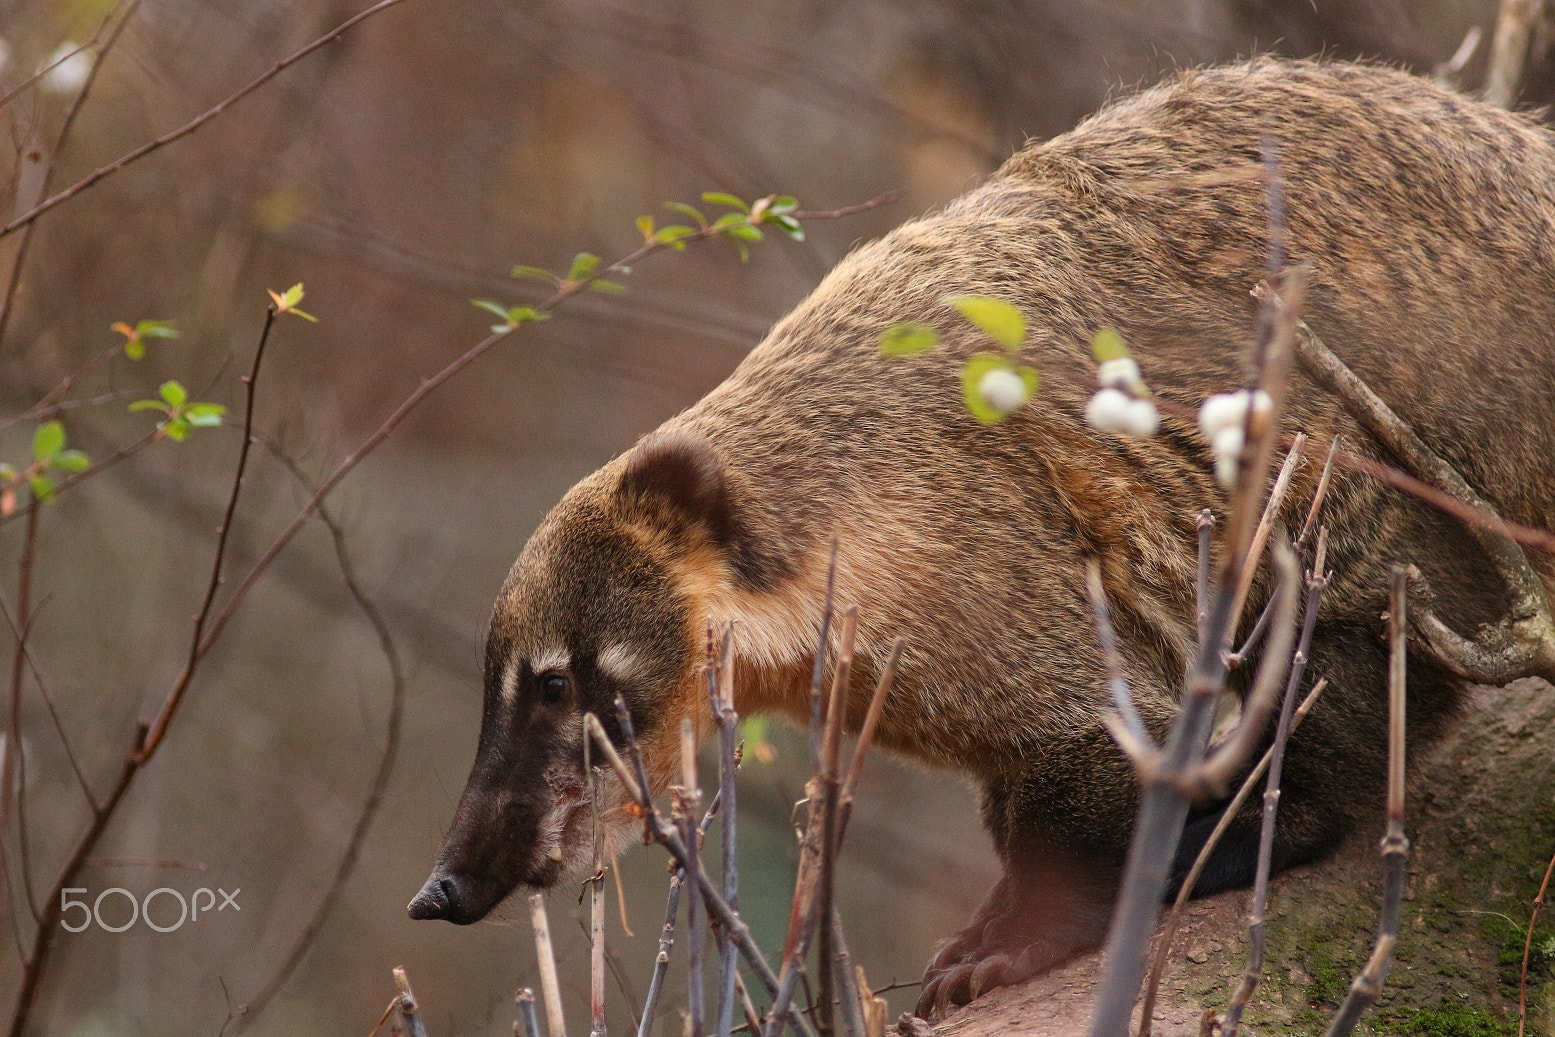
(969, 965)
(1057, 910)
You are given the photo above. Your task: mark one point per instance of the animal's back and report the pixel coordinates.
(1428, 222)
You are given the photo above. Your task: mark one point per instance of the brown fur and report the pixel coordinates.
(1428, 222)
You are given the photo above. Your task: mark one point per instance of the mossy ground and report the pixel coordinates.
(1483, 829)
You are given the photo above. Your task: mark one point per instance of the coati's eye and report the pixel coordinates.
(553, 687)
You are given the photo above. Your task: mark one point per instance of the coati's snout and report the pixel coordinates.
(603, 602)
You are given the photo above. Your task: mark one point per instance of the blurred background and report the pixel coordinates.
(399, 173)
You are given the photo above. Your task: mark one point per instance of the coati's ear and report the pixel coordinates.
(678, 480)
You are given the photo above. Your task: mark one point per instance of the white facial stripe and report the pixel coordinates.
(550, 659)
(509, 685)
(620, 662)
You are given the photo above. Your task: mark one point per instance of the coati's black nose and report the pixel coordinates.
(441, 898)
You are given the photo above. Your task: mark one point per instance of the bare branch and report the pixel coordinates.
(1509, 50)
(1316, 584)
(549, 987)
(1523, 644)
(189, 127)
(1112, 658)
(1185, 893)
(409, 1010)
(1533, 919)
(1395, 846)
(19, 260)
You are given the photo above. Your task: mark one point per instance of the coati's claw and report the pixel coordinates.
(964, 977)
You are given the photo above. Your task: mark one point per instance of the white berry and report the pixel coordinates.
(1003, 390)
(1108, 410)
(1122, 373)
(1229, 410)
(1142, 418)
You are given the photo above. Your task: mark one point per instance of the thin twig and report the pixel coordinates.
(13, 772)
(409, 1010)
(1185, 892)
(687, 797)
(661, 963)
(48, 700)
(1316, 583)
(1524, 643)
(721, 692)
(830, 787)
(866, 735)
(1533, 919)
(1164, 797)
(1320, 494)
(849, 998)
(818, 667)
(1112, 658)
(597, 909)
(1266, 522)
(1367, 987)
(175, 696)
(667, 836)
(1226, 759)
(19, 260)
(1509, 50)
(546, 956)
(1206, 529)
(526, 1024)
(193, 124)
(73, 480)
(394, 1003)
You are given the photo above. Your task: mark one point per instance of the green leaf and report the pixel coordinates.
(583, 264)
(525, 315)
(971, 376)
(535, 273)
(310, 318)
(135, 349)
(687, 210)
(908, 339)
(176, 430)
(47, 441)
(673, 234)
(149, 405)
(791, 227)
(292, 296)
(205, 415)
(645, 226)
(42, 487)
(724, 198)
(608, 287)
(156, 329)
(1107, 345)
(492, 307)
(7, 473)
(744, 232)
(998, 319)
(71, 461)
(783, 203)
(174, 393)
(1031, 376)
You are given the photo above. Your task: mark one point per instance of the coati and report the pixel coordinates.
(1428, 224)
